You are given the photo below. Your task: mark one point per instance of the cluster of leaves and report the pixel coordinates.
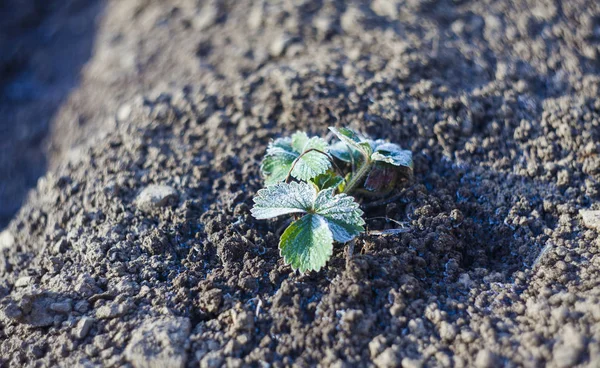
(319, 199)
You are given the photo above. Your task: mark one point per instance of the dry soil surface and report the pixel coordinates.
(137, 247)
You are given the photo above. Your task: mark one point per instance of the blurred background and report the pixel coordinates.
(44, 45)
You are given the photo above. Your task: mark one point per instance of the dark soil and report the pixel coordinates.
(497, 100)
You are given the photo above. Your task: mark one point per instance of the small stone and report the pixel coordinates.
(60, 246)
(111, 310)
(243, 321)
(324, 25)
(411, 363)
(569, 349)
(591, 219)
(7, 240)
(159, 343)
(280, 44)
(351, 20)
(417, 327)
(376, 346)
(486, 359)
(36, 309)
(83, 327)
(214, 359)
(234, 362)
(256, 16)
(124, 112)
(211, 300)
(155, 196)
(24, 281)
(385, 8)
(61, 307)
(388, 358)
(207, 18)
(447, 331)
(82, 306)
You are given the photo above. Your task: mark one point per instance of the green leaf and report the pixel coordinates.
(307, 244)
(278, 160)
(352, 139)
(283, 152)
(300, 141)
(392, 154)
(311, 163)
(326, 180)
(282, 199)
(342, 213)
(346, 153)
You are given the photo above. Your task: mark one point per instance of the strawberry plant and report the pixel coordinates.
(320, 199)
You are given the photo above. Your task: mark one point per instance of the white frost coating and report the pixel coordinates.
(392, 154)
(282, 153)
(383, 151)
(343, 215)
(282, 199)
(308, 242)
(312, 163)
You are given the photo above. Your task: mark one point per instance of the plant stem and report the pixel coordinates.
(359, 175)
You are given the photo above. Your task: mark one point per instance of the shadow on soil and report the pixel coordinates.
(44, 47)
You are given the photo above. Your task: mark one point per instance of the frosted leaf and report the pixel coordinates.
(282, 153)
(282, 199)
(342, 213)
(307, 244)
(392, 154)
(352, 139)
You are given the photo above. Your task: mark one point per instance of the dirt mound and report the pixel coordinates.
(140, 247)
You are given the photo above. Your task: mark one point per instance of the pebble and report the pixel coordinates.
(61, 307)
(24, 281)
(214, 359)
(256, 17)
(111, 310)
(60, 246)
(243, 321)
(124, 112)
(387, 359)
(280, 44)
(207, 18)
(376, 346)
(351, 20)
(385, 8)
(411, 363)
(447, 331)
(159, 343)
(7, 240)
(155, 196)
(83, 327)
(591, 219)
(486, 359)
(568, 351)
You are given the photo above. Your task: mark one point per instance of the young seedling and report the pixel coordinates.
(379, 161)
(320, 200)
